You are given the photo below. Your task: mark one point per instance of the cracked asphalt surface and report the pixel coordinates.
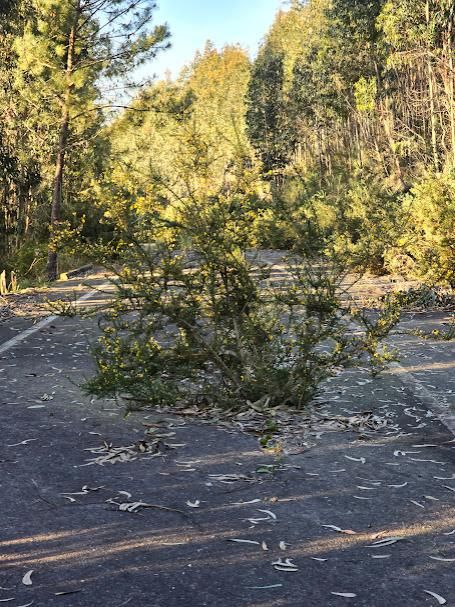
(326, 502)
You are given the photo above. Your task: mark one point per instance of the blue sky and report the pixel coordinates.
(192, 22)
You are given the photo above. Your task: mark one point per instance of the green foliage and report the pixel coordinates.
(198, 317)
(267, 118)
(365, 92)
(424, 297)
(60, 58)
(202, 113)
(348, 104)
(367, 225)
(430, 237)
(218, 82)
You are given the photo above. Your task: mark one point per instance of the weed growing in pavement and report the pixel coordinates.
(198, 318)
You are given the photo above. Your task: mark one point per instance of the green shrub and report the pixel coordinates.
(430, 237)
(28, 262)
(368, 224)
(197, 318)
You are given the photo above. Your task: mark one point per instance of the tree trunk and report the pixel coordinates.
(57, 193)
(431, 93)
(451, 82)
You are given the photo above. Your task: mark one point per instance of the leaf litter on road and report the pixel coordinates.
(23, 442)
(265, 587)
(417, 503)
(431, 461)
(108, 454)
(362, 460)
(231, 478)
(27, 579)
(386, 541)
(346, 595)
(271, 517)
(241, 541)
(339, 530)
(284, 565)
(270, 514)
(195, 504)
(441, 600)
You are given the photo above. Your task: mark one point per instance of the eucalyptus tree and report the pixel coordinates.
(218, 80)
(420, 37)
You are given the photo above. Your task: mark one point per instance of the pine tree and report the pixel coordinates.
(267, 115)
(67, 47)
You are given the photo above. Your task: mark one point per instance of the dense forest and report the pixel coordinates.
(343, 124)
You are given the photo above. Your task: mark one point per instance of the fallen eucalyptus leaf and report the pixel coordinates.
(347, 595)
(417, 504)
(441, 600)
(23, 442)
(286, 565)
(431, 461)
(339, 530)
(27, 579)
(65, 592)
(362, 460)
(194, 504)
(387, 541)
(264, 587)
(240, 541)
(271, 514)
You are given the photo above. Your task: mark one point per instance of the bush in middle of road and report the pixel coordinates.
(199, 318)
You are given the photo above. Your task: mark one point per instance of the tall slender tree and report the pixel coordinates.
(67, 48)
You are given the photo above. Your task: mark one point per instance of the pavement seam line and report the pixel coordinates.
(421, 392)
(38, 326)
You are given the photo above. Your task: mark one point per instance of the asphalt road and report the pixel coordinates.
(366, 518)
